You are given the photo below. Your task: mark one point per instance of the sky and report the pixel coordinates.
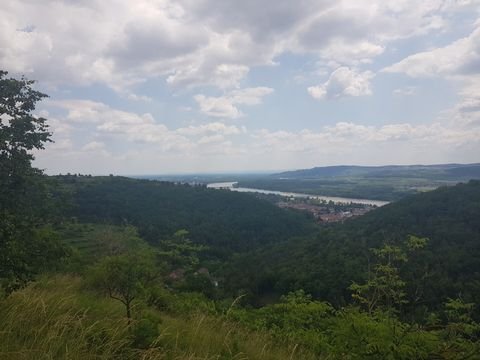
(203, 86)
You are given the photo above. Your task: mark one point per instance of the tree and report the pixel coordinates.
(116, 241)
(180, 252)
(123, 277)
(22, 193)
(384, 288)
(20, 133)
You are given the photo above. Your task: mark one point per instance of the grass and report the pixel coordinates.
(50, 320)
(55, 318)
(215, 338)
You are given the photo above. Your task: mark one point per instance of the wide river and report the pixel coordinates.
(337, 200)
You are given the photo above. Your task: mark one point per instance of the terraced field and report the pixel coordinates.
(92, 241)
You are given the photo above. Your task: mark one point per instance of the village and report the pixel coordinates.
(326, 212)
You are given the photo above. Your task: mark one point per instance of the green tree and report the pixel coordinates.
(21, 132)
(123, 277)
(384, 288)
(116, 241)
(179, 251)
(355, 334)
(22, 190)
(460, 320)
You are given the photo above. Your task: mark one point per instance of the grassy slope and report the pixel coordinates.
(56, 318)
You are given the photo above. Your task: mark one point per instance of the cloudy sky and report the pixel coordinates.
(188, 86)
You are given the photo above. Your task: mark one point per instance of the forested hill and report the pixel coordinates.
(226, 221)
(327, 263)
(438, 172)
(449, 214)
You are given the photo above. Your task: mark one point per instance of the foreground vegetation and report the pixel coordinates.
(58, 317)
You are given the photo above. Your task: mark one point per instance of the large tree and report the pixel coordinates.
(24, 246)
(21, 132)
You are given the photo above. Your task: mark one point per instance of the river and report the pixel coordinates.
(335, 199)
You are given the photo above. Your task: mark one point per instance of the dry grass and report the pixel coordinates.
(214, 338)
(55, 319)
(50, 321)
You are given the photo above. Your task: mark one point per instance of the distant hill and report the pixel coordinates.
(390, 183)
(441, 171)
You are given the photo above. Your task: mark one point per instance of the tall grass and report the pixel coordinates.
(55, 319)
(51, 320)
(205, 337)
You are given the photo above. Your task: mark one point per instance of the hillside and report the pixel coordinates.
(279, 251)
(224, 220)
(325, 264)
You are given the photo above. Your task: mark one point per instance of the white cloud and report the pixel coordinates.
(60, 146)
(93, 146)
(363, 29)
(80, 111)
(220, 50)
(405, 91)
(126, 142)
(458, 62)
(217, 107)
(109, 122)
(196, 43)
(462, 57)
(460, 5)
(211, 139)
(226, 106)
(317, 92)
(222, 76)
(349, 137)
(135, 97)
(343, 82)
(466, 112)
(121, 127)
(342, 52)
(214, 127)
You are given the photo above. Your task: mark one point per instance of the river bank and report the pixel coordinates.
(337, 200)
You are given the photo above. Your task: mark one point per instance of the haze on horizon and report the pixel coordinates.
(202, 86)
